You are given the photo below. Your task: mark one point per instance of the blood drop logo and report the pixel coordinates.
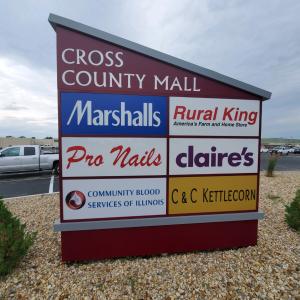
(75, 200)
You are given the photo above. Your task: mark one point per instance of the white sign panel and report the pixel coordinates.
(113, 156)
(214, 117)
(213, 156)
(111, 198)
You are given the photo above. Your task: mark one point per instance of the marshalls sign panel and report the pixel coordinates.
(156, 154)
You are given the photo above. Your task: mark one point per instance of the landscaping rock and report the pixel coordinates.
(270, 270)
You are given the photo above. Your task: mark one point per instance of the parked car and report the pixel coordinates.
(273, 150)
(264, 150)
(297, 150)
(280, 150)
(27, 158)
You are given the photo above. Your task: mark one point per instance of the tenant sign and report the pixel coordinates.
(156, 155)
(214, 117)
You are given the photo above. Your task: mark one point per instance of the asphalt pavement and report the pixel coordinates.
(16, 185)
(289, 162)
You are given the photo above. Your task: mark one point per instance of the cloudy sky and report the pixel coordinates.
(253, 41)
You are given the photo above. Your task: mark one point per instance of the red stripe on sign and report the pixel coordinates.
(110, 243)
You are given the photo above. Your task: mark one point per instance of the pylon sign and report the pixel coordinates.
(156, 155)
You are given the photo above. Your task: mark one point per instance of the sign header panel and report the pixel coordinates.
(93, 65)
(214, 117)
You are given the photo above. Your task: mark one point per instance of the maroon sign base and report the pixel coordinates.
(142, 241)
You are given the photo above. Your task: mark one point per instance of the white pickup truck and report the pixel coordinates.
(281, 150)
(24, 158)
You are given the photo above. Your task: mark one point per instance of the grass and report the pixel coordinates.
(292, 213)
(272, 162)
(274, 198)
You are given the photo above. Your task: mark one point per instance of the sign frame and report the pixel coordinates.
(164, 233)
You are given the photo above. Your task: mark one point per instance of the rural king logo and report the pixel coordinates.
(75, 200)
(214, 158)
(113, 114)
(229, 114)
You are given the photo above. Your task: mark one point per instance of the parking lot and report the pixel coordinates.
(16, 185)
(289, 162)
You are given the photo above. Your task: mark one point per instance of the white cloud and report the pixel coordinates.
(28, 100)
(255, 42)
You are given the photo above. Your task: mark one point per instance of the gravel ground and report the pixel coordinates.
(271, 270)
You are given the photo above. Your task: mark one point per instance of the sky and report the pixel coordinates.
(253, 41)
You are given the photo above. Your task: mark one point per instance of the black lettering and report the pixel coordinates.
(211, 196)
(204, 195)
(235, 195)
(175, 190)
(247, 194)
(183, 198)
(241, 195)
(191, 195)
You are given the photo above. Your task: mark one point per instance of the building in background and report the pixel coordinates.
(11, 141)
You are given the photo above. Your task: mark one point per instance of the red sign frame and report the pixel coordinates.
(92, 239)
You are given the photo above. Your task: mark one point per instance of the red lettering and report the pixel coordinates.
(150, 156)
(143, 160)
(121, 154)
(227, 113)
(89, 159)
(134, 160)
(74, 158)
(124, 159)
(79, 153)
(97, 161)
(179, 110)
(157, 160)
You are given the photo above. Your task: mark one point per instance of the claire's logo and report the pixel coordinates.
(75, 200)
(214, 158)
